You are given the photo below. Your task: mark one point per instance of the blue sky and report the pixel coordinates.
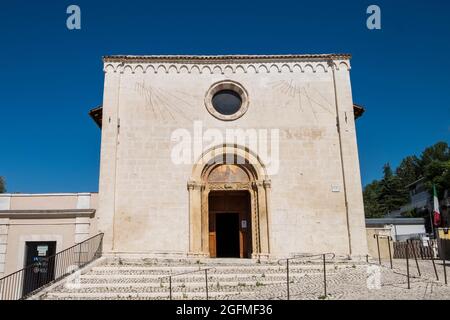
(51, 76)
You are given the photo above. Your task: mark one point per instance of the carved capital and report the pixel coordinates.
(191, 185)
(267, 184)
(257, 184)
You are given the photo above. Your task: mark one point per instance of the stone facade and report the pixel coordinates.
(310, 200)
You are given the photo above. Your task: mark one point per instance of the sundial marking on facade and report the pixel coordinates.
(294, 90)
(161, 102)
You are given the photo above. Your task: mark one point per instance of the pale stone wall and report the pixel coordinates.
(382, 242)
(67, 218)
(20, 231)
(48, 201)
(143, 200)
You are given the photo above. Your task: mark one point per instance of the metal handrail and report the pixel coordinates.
(389, 239)
(34, 277)
(170, 276)
(303, 256)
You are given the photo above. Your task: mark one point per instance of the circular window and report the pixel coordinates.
(226, 100)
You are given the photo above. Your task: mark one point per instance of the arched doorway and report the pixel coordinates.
(229, 211)
(228, 205)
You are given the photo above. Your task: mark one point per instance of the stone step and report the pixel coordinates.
(221, 267)
(222, 261)
(155, 286)
(199, 275)
(142, 295)
(94, 278)
(229, 269)
(227, 279)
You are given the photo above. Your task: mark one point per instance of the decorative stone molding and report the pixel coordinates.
(198, 199)
(41, 214)
(229, 186)
(257, 184)
(267, 184)
(226, 64)
(191, 185)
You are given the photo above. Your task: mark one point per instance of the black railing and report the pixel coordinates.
(421, 247)
(323, 256)
(27, 281)
(410, 249)
(205, 270)
(389, 240)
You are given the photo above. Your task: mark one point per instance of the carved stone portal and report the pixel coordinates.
(216, 172)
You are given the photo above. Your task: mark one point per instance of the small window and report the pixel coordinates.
(227, 102)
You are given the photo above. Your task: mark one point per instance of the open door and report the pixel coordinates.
(229, 224)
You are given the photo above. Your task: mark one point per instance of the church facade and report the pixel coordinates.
(229, 156)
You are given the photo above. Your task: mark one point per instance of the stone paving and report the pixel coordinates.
(352, 284)
(266, 281)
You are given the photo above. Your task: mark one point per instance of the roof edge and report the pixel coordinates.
(96, 114)
(228, 58)
(358, 110)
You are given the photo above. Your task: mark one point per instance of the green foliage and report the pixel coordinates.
(436, 167)
(437, 152)
(2, 185)
(371, 204)
(385, 195)
(438, 173)
(390, 193)
(409, 170)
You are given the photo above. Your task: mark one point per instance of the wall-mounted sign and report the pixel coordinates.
(335, 188)
(42, 251)
(244, 224)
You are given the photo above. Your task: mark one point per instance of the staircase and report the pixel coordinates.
(149, 279)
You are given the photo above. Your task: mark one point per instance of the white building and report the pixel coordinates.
(211, 156)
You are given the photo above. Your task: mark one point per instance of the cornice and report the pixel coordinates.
(62, 213)
(226, 64)
(223, 58)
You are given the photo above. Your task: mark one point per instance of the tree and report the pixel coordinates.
(370, 195)
(392, 193)
(438, 152)
(438, 173)
(2, 185)
(409, 170)
(435, 163)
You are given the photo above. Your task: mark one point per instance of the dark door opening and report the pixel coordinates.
(229, 203)
(42, 272)
(227, 233)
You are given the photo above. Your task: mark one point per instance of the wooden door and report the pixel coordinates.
(231, 203)
(212, 235)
